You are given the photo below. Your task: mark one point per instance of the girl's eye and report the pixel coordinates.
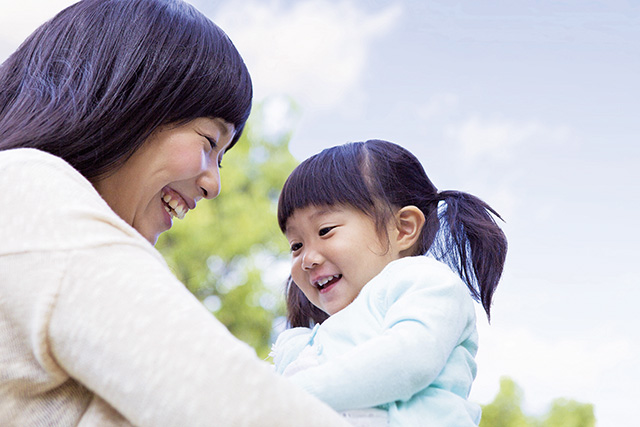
(295, 247)
(324, 231)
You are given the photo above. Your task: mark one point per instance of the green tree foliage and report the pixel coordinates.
(223, 250)
(506, 411)
(569, 413)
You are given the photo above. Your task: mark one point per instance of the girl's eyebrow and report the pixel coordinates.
(325, 211)
(320, 212)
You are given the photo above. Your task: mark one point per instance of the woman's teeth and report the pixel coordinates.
(174, 208)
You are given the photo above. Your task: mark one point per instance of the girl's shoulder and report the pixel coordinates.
(417, 269)
(415, 275)
(418, 263)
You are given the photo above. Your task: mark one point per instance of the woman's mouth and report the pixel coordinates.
(175, 207)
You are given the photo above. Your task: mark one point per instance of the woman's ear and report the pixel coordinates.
(409, 223)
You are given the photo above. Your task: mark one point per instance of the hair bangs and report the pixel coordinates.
(215, 81)
(332, 177)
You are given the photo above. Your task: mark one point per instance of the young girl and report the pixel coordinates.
(395, 336)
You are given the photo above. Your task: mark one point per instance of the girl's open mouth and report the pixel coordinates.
(324, 284)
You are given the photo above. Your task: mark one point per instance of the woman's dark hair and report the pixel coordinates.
(379, 177)
(91, 84)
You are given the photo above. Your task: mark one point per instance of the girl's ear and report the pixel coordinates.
(409, 223)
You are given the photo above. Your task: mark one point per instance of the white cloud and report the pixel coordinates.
(314, 51)
(498, 139)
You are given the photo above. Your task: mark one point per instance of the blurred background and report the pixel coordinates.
(532, 105)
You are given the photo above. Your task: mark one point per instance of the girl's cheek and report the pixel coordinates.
(295, 259)
(296, 271)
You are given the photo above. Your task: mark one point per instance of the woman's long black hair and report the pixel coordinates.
(92, 83)
(378, 177)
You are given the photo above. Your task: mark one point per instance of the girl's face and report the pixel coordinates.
(174, 168)
(335, 252)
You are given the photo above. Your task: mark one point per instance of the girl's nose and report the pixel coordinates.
(310, 260)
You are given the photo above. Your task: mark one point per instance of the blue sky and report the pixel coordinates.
(531, 105)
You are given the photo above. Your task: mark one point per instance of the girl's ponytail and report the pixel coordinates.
(471, 242)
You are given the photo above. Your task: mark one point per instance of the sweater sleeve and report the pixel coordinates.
(126, 329)
(83, 295)
(423, 323)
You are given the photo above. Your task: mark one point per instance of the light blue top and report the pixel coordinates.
(406, 344)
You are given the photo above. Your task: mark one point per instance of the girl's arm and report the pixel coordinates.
(426, 321)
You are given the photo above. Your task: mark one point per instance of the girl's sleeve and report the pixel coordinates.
(424, 322)
(288, 346)
(128, 330)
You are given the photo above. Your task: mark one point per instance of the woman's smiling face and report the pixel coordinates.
(174, 168)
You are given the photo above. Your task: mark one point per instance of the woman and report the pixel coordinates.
(114, 117)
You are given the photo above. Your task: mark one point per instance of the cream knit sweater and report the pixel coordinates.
(96, 331)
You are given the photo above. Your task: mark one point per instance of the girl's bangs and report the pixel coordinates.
(332, 177)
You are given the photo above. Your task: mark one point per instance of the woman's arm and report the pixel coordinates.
(86, 296)
(124, 327)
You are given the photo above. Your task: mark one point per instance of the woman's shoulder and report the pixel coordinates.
(22, 155)
(28, 175)
(32, 165)
(48, 205)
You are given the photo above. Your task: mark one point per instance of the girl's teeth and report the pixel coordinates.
(326, 280)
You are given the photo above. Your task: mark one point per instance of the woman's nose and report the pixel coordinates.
(209, 182)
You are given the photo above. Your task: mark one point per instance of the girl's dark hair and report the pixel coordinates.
(379, 177)
(91, 84)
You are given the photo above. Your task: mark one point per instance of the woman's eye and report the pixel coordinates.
(296, 246)
(324, 231)
(212, 142)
